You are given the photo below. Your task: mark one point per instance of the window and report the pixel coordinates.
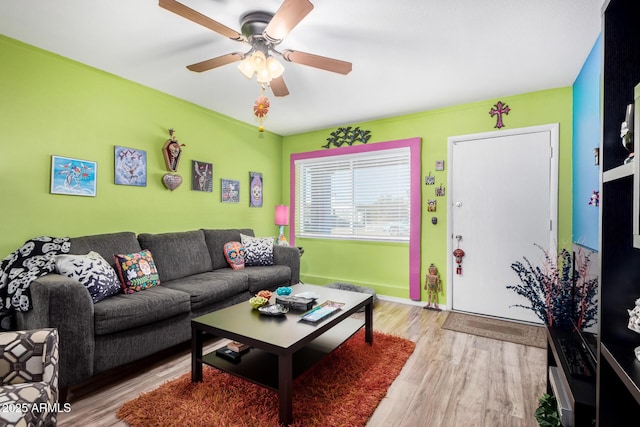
(362, 196)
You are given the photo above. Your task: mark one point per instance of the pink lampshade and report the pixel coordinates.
(282, 215)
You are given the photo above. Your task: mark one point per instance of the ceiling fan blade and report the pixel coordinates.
(215, 62)
(278, 87)
(198, 18)
(288, 16)
(317, 61)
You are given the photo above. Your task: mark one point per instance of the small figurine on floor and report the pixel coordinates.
(432, 286)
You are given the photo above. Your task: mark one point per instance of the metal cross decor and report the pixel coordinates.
(498, 110)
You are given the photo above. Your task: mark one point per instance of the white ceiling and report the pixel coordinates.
(408, 55)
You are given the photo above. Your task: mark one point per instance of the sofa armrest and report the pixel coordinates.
(63, 303)
(290, 256)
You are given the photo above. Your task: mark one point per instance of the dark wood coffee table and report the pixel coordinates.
(282, 347)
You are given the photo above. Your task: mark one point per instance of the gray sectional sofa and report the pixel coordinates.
(195, 279)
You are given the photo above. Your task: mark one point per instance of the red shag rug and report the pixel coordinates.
(343, 389)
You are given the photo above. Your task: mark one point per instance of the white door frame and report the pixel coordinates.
(553, 190)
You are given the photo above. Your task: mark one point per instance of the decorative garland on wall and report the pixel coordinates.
(347, 135)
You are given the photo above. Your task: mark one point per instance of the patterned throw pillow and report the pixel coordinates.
(137, 271)
(234, 253)
(93, 271)
(258, 250)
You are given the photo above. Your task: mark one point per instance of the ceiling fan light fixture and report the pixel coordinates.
(275, 67)
(258, 61)
(246, 68)
(262, 76)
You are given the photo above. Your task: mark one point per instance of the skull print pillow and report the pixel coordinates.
(234, 253)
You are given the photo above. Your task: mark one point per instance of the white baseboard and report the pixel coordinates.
(408, 301)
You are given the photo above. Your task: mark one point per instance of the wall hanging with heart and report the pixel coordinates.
(171, 181)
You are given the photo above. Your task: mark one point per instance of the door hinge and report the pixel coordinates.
(550, 225)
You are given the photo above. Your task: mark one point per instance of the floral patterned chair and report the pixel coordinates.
(29, 378)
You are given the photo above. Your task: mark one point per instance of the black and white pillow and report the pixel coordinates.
(257, 250)
(93, 271)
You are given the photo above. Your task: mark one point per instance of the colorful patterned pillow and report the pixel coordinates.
(234, 253)
(137, 271)
(258, 250)
(93, 271)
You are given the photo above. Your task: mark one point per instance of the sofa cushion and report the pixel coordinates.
(257, 250)
(179, 254)
(267, 277)
(234, 253)
(124, 312)
(93, 271)
(215, 243)
(211, 287)
(137, 271)
(107, 245)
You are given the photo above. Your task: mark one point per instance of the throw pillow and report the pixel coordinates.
(137, 271)
(93, 271)
(257, 250)
(234, 253)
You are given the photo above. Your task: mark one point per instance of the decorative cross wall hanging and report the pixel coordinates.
(498, 110)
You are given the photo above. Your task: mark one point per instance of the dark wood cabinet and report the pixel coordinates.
(618, 373)
(574, 384)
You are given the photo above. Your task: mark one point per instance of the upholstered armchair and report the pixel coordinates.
(29, 378)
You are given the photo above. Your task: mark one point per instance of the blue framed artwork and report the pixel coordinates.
(73, 176)
(230, 191)
(255, 180)
(130, 167)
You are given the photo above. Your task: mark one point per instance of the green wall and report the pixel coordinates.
(54, 106)
(384, 266)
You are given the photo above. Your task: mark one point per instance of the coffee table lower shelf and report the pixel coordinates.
(261, 367)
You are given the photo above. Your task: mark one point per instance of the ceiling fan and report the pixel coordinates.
(263, 31)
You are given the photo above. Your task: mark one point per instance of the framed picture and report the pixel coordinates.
(73, 176)
(201, 176)
(439, 165)
(255, 180)
(130, 166)
(230, 190)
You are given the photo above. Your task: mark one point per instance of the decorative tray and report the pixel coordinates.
(273, 310)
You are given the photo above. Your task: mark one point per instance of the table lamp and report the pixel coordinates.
(282, 219)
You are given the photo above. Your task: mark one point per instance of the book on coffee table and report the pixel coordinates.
(322, 311)
(237, 346)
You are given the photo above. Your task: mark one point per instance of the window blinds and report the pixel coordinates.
(354, 196)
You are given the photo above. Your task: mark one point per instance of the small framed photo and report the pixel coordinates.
(73, 176)
(439, 165)
(201, 176)
(255, 180)
(130, 166)
(429, 180)
(230, 191)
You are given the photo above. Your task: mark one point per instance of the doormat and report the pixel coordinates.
(497, 329)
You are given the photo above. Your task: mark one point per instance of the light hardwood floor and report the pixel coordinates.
(452, 379)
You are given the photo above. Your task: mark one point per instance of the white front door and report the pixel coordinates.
(503, 192)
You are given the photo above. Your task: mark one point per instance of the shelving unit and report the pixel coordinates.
(618, 376)
(578, 390)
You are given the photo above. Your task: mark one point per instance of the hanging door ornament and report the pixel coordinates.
(458, 254)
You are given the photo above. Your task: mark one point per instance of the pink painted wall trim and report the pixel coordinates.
(415, 191)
